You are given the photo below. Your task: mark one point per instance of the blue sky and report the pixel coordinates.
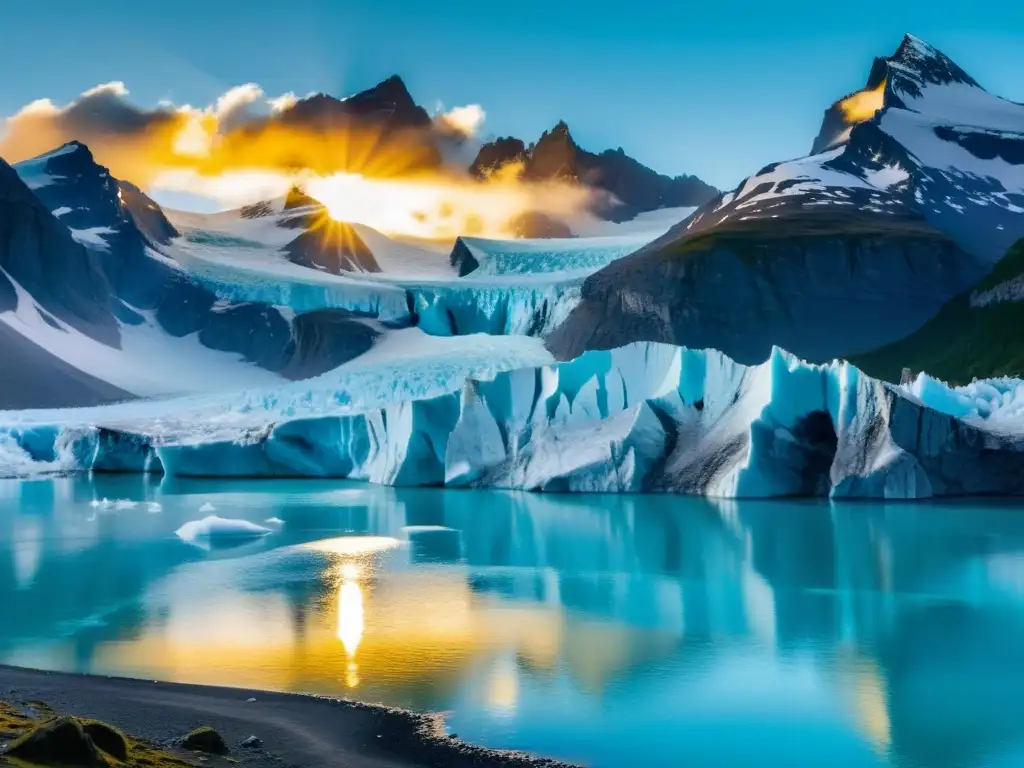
(718, 89)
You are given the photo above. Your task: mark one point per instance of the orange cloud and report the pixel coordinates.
(247, 146)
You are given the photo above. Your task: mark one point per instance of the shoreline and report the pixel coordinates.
(296, 729)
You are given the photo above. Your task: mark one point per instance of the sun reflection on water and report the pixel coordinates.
(351, 619)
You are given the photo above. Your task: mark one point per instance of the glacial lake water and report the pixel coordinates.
(612, 631)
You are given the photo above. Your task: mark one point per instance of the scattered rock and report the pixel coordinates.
(107, 738)
(205, 739)
(251, 699)
(61, 741)
(252, 742)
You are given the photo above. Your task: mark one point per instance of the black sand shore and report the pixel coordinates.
(296, 730)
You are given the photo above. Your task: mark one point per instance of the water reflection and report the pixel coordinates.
(617, 631)
(351, 621)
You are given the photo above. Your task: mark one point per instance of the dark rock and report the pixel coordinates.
(333, 246)
(61, 741)
(252, 742)
(462, 258)
(207, 740)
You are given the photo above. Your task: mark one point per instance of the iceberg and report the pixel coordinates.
(214, 531)
(647, 417)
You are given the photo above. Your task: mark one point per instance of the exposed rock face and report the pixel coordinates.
(39, 254)
(148, 216)
(626, 186)
(821, 284)
(497, 154)
(462, 258)
(388, 104)
(332, 246)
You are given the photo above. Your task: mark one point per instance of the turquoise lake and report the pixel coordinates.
(612, 631)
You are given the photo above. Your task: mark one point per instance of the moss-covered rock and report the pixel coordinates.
(207, 740)
(107, 738)
(58, 742)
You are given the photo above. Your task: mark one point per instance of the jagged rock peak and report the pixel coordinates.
(392, 90)
(917, 58)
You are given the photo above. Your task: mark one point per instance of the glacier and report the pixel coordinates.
(646, 417)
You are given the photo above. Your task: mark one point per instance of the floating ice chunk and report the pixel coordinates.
(95, 503)
(214, 531)
(125, 504)
(207, 507)
(155, 506)
(275, 521)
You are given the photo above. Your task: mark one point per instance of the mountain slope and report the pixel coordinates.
(41, 255)
(977, 334)
(922, 135)
(821, 284)
(895, 158)
(629, 186)
(166, 332)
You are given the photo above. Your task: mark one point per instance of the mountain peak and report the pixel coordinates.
(924, 63)
(390, 90)
(561, 130)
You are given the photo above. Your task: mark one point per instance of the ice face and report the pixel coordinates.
(646, 417)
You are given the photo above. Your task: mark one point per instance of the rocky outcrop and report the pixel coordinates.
(497, 154)
(147, 215)
(625, 187)
(332, 246)
(823, 285)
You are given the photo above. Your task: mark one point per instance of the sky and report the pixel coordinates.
(716, 89)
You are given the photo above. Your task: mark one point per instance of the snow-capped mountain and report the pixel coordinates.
(922, 138)
(627, 187)
(94, 285)
(917, 190)
(49, 286)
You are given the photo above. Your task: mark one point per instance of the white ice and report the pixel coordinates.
(212, 529)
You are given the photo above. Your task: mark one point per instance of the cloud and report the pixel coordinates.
(248, 146)
(465, 121)
(243, 130)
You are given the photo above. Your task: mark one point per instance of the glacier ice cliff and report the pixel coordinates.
(642, 418)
